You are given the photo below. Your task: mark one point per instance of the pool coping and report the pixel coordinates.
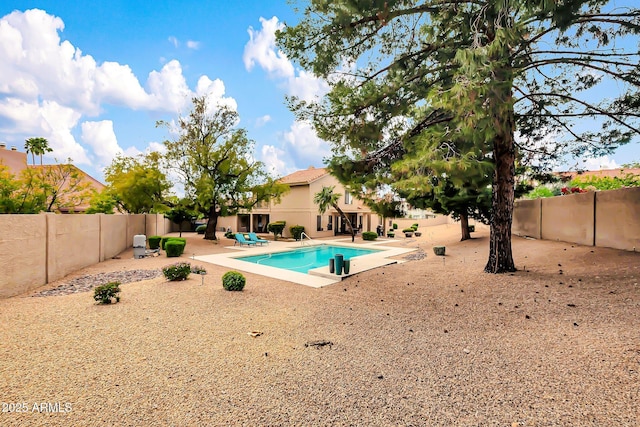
(317, 277)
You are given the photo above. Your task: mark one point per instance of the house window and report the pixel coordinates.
(348, 199)
(319, 223)
(330, 223)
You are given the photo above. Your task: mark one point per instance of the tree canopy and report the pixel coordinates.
(475, 82)
(214, 159)
(137, 184)
(49, 188)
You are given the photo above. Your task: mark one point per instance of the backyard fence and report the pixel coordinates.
(39, 249)
(597, 218)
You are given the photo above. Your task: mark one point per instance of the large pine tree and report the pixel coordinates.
(479, 71)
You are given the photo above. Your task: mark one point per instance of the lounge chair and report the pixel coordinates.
(254, 238)
(240, 239)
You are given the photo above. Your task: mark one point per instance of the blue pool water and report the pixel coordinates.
(304, 259)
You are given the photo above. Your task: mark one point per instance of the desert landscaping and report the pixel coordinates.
(431, 341)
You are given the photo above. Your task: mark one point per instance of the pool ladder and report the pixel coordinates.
(302, 236)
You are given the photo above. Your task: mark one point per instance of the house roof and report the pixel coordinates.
(304, 177)
(600, 173)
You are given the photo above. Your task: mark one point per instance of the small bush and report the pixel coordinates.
(201, 229)
(230, 235)
(105, 294)
(276, 228)
(408, 230)
(369, 235)
(154, 242)
(165, 239)
(415, 225)
(176, 272)
(395, 226)
(296, 231)
(174, 248)
(233, 281)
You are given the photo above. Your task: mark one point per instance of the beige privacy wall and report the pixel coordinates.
(526, 218)
(23, 253)
(569, 218)
(601, 218)
(38, 249)
(618, 219)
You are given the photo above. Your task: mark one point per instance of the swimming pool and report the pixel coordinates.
(304, 259)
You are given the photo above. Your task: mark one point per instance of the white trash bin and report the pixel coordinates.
(139, 246)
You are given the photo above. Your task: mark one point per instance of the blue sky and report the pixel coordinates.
(93, 77)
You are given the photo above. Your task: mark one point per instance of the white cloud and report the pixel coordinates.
(275, 160)
(597, 163)
(101, 137)
(173, 41)
(215, 90)
(191, 44)
(260, 49)
(304, 146)
(261, 121)
(49, 85)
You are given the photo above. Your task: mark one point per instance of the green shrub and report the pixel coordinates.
(395, 226)
(415, 225)
(105, 294)
(178, 271)
(174, 248)
(201, 229)
(408, 230)
(165, 239)
(233, 281)
(154, 242)
(230, 235)
(296, 231)
(276, 228)
(369, 235)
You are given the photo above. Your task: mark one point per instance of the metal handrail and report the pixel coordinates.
(302, 236)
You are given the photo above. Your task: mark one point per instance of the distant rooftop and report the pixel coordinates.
(600, 173)
(304, 177)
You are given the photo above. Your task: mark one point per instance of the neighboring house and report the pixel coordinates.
(297, 208)
(611, 173)
(16, 161)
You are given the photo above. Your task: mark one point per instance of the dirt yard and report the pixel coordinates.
(428, 342)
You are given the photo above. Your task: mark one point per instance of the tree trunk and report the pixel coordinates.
(212, 224)
(500, 255)
(464, 226)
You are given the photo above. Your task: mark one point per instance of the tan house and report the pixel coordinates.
(297, 208)
(16, 161)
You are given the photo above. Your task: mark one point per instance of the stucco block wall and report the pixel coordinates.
(73, 242)
(113, 235)
(157, 225)
(37, 249)
(618, 218)
(569, 218)
(422, 222)
(527, 218)
(23, 250)
(136, 224)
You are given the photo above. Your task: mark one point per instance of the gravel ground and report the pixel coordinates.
(429, 342)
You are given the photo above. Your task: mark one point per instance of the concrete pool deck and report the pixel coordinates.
(317, 277)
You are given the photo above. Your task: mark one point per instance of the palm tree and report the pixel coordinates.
(326, 198)
(38, 146)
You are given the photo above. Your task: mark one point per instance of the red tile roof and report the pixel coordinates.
(600, 173)
(304, 177)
